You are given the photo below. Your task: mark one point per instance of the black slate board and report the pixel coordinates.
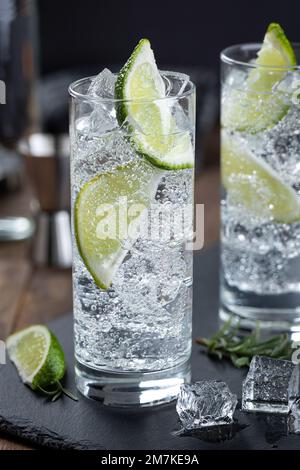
(90, 425)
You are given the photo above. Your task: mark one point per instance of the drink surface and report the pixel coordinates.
(142, 322)
(261, 196)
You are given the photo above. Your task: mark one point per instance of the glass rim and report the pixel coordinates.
(98, 99)
(226, 57)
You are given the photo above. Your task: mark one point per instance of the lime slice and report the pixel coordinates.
(100, 229)
(253, 184)
(153, 129)
(37, 355)
(276, 52)
(256, 106)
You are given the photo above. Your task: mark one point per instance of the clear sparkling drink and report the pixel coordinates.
(133, 335)
(260, 203)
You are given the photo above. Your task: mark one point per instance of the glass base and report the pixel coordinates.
(127, 389)
(272, 320)
(273, 311)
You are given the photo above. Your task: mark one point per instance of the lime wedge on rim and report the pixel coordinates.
(252, 183)
(100, 230)
(37, 355)
(255, 105)
(153, 129)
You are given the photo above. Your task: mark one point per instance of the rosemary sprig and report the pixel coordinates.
(57, 392)
(226, 343)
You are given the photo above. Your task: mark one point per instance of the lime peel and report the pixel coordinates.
(39, 359)
(138, 183)
(155, 137)
(256, 107)
(276, 41)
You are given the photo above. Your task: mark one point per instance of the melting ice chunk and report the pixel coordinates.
(270, 386)
(103, 117)
(103, 85)
(101, 120)
(182, 121)
(175, 87)
(205, 403)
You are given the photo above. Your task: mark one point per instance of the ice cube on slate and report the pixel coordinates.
(270, 385)
(103, 85)
(205, 403)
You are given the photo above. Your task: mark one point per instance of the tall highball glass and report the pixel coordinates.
(132, 269)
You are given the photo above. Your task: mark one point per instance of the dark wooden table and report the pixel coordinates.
(34, 295)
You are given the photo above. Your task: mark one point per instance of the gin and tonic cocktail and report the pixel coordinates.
(260, 278)
(132, 138)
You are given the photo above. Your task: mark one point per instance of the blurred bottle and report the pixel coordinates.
(18, 103)
(18, 53)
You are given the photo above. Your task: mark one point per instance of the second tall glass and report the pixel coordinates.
(260, 269)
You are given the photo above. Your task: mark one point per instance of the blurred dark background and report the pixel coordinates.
(72, 39)
(82, 37)
(101, 32)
